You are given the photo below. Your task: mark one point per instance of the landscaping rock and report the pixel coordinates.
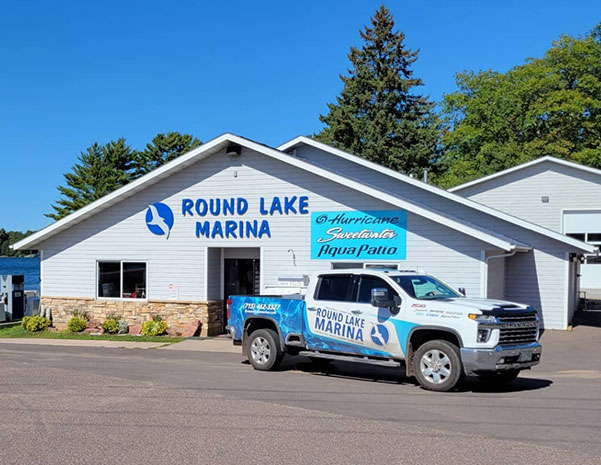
(92, 331)
(173, 332)
(135, 329)
(191, 329)
(95, 324)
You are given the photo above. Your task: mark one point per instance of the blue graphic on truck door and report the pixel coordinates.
(336, 328)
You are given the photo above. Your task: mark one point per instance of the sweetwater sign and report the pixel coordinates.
(353, 235)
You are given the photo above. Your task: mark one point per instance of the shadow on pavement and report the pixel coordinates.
(591, 318)
(375, 374)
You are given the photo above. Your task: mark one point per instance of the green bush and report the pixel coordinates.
(154, 327)
(111, 324)
(77, 323)
(36, 323)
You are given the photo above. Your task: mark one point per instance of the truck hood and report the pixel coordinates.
(469, 303)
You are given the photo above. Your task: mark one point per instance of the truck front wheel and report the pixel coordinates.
(438, 365)
(264, 352)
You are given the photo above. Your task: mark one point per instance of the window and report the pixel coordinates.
(335, 287)
(371, 282)
(109, 279)
(425, 287)
(593, 237)
(346, 265)
(579, 236)
(122, 279)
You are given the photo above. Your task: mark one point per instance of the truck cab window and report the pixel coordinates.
(367, 283)
(334, 288)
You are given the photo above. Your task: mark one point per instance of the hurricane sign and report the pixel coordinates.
(159, 219)
(352, 235)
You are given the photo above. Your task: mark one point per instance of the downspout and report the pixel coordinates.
(503, 255)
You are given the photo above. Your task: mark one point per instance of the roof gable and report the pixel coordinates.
(523, 166)
(220, 143)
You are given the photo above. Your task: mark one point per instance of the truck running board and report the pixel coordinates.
(350, 358)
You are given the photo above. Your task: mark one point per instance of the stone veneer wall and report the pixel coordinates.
(177, 314)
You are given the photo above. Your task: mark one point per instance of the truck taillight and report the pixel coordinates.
(229, 307)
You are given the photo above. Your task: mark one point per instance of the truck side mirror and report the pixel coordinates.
(380, 298)
(462, 291)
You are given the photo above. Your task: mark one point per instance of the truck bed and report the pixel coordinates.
(285, 311)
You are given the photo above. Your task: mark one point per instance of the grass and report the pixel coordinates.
(19, 331)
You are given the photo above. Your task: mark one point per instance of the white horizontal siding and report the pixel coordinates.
(120, 233)
(519, 193)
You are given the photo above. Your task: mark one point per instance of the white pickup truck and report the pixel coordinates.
(389, 318)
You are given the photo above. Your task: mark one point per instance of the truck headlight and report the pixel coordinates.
(482, 318)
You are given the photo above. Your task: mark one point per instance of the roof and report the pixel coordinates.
(538, 161)
(215, 145)
(300, 140)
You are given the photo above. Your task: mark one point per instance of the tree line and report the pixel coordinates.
(8, 238)
(492, 121)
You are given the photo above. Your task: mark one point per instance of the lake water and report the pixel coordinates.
(30, 267)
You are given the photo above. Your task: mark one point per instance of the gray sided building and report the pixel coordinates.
(237, 217)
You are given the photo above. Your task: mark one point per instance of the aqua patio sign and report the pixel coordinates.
(359, 235)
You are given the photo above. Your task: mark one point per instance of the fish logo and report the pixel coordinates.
(159, 219)
(379, 334)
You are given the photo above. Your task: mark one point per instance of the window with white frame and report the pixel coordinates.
(121, 279)
(593, 238)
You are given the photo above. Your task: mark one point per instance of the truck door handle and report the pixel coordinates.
(312, 309)
(357, 312)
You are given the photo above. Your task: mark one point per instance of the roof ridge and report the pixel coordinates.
(438, 191)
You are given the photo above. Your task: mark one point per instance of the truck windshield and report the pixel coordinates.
(425, 287)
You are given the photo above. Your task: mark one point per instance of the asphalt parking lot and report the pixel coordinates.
(63, 405)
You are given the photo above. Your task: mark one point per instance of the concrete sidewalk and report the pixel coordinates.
(198, 345)
(82, 343)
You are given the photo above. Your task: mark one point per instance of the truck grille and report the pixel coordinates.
(518, 328)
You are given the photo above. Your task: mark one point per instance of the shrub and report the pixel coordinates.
(154, 327)
(123, 327)
(78, 322)
(110, 326)
(34, 324)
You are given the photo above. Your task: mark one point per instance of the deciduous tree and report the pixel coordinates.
(547, 106)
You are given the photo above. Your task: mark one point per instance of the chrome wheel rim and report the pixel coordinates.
(260, 350)
(435, 366)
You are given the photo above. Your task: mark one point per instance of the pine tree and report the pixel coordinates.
(377, 115)
(101, 169)
(163, 149)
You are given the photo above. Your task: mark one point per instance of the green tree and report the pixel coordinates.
(163, 149)
(547, 106)
(100, 170)
(378, 114)
(7, 238)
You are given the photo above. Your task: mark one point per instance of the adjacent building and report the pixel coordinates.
(556, 194)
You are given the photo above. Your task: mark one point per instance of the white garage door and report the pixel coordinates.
(585, 225)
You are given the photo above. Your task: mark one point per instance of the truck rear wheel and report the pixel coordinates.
(263, 349)
(438, 365)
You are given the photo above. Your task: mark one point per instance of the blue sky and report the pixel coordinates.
(72, 73)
